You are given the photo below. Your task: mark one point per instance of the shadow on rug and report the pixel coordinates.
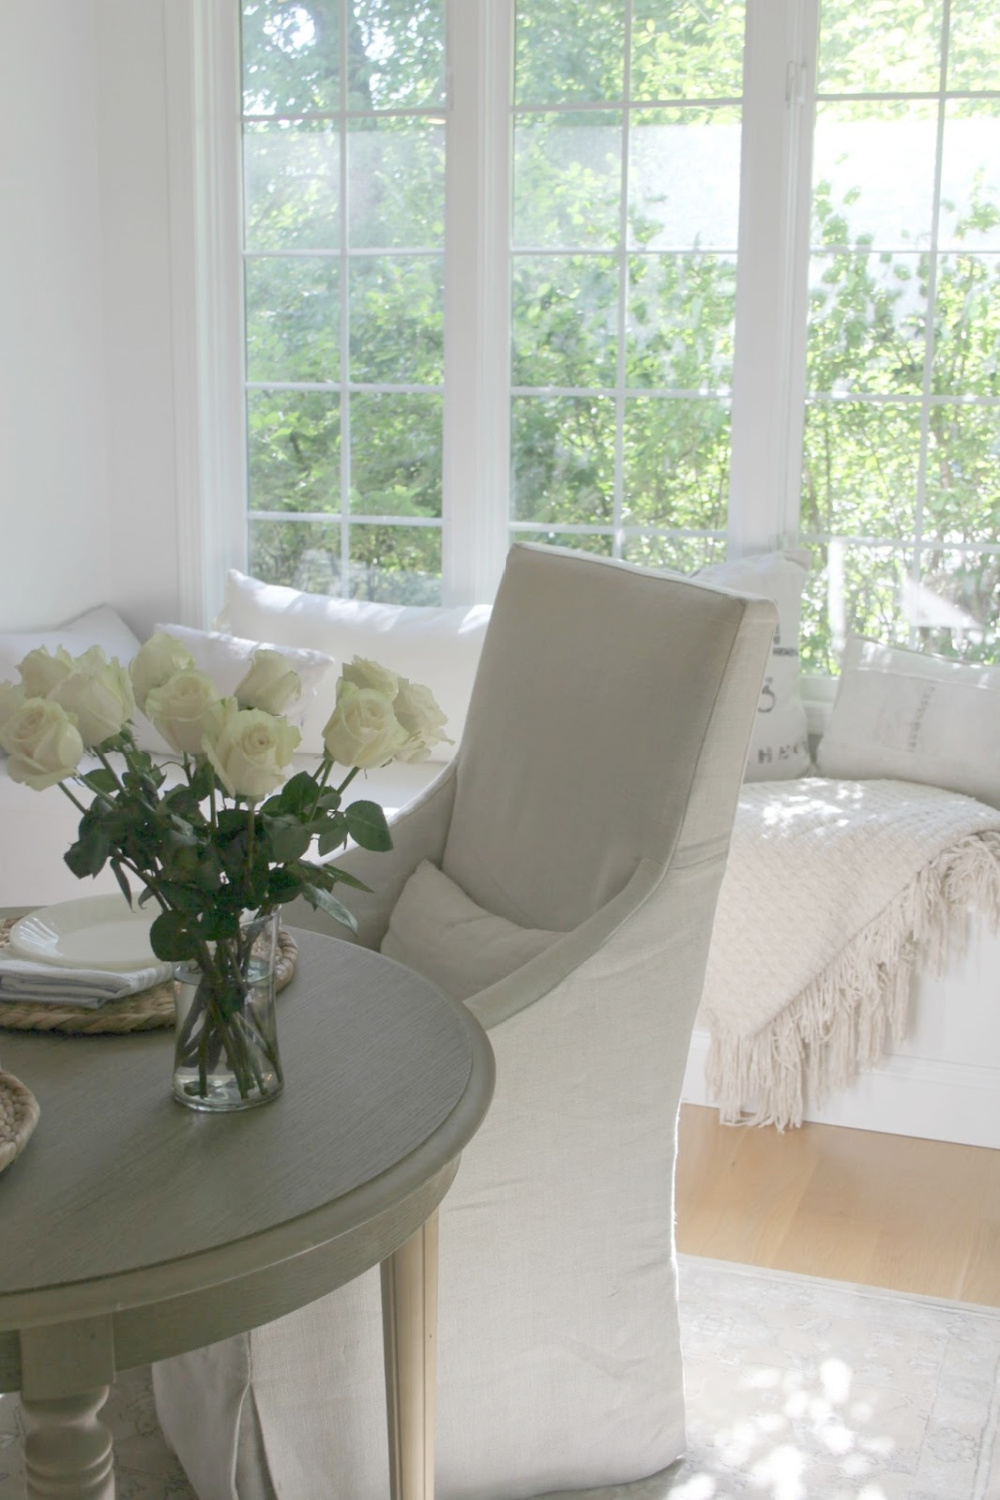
(797, 1389)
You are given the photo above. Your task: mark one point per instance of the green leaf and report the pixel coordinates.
(344, 877)
(367, 826)
(282, 886)
(330, 875)
(331, 838)
(101, 780)
(232, 821)
(88, 854)
(289, 839)
(219, 923)
(126, 889)
(171, 938)
(296, 796)
(333, 908)
(201, 782)
(180, 895)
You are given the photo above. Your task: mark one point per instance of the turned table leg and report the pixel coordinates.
(409, 1323)
(66, 1373)
(67, 1449)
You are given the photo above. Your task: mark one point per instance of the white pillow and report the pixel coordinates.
(436, 929)
(227, 659)
(911, 717)
(102, 627)
(779, 746)
(437, 647)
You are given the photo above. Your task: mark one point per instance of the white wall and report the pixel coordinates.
(53, 519)
(137, 314)
(87, 468)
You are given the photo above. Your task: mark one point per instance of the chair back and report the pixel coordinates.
(611, 712)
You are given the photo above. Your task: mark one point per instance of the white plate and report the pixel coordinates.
(95, 932)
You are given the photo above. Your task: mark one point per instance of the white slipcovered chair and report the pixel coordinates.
(587, 816)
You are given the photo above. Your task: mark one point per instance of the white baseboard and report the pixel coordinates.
(941, 1101)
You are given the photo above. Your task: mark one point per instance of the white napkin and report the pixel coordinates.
(22, 980)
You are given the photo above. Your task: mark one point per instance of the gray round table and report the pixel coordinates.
(132, 1229)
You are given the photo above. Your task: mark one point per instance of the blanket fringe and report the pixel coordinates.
(838, 1025)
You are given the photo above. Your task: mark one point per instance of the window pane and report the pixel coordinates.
(568, 51)
(955, 602)
(680, 321)
(565, 320)
(567, 180)
(962, 503)
(395, 185)
(676, 463)
(563, 459)
(967, 330)
(851, 589)
(867, 322)
(292, 318)
(395, 54)
(300, 554)
(687, 49)
(396, 564)
(970, 176)
(397, 320)
(291, 187)
(873, 175)
(974, 47)
(291, 57)
(681, 554)
(860, 462)
(891, 47)
(684, 180)
(395, 455)
(293, 450)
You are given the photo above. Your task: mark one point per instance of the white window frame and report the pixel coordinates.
(769, 367)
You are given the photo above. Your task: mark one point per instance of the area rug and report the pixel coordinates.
(798, 1389)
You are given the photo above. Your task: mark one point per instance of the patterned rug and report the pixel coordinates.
(798, 1389)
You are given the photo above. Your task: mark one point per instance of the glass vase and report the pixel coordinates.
(226, 1053)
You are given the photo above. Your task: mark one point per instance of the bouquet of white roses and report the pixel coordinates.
(232, 836)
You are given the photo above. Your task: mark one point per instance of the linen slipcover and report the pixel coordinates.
(593, 794)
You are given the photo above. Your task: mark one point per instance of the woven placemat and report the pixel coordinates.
(147, 1011)
(19, 1113)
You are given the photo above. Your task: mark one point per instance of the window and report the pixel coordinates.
(901, 473)
(649, 277)
(625, 217)
(344, 180)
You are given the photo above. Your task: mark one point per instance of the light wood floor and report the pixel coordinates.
(886, 1210)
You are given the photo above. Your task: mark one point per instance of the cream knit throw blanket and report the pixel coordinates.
(833, 891)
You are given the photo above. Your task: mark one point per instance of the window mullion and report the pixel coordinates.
(772, 273)
(476, 463)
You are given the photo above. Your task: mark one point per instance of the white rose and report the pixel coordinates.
(98, 694)
(423, 719)
(364, 673)
(251, 751)
(40, 670)
(156, 662)
(270, 683)
(184, 709)
(362, 731)
(12, 695)
(43, 743)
